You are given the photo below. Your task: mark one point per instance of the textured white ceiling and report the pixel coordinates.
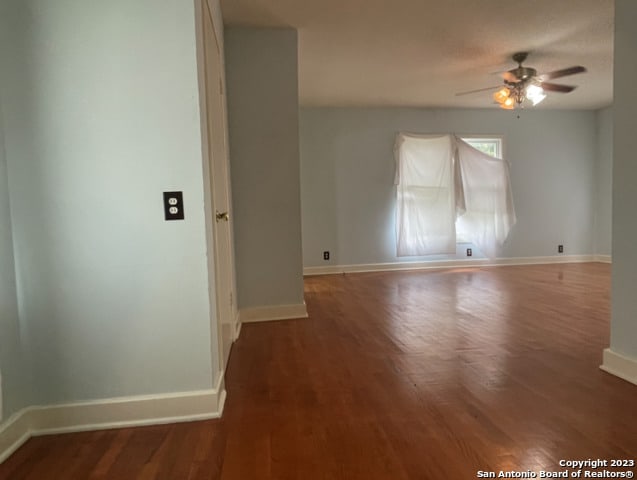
(420, 53)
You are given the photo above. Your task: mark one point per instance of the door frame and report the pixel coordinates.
(207, 8)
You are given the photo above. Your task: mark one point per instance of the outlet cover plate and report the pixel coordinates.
(174, 205)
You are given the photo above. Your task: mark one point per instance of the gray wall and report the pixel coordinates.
(101, 114)
(624, 274)
(261, 69)
(347, 172)
(14, 366)
(604, 182)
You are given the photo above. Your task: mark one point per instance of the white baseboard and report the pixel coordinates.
(109, 413)
(15, 431)
(455, 263)
(604, 258)
(620, 366)
(274, 312)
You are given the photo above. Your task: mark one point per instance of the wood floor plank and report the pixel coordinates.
(403, 375)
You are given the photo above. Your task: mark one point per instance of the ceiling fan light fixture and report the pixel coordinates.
(508, 104)
(502, 95)
(535, 94)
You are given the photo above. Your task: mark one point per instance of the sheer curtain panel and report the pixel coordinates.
(489, 213)
(426, 209)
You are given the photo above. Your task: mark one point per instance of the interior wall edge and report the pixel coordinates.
(620, 365)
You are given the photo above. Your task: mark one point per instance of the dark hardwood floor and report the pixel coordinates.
(407, 375)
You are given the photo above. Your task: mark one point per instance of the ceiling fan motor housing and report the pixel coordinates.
(523, 73)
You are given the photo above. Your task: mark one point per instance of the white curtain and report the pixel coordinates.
(445, 185)
(426, 210)
(489, 213)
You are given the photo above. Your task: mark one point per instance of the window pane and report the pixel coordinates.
(490, 146)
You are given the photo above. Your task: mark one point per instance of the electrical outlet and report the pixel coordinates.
(326, 255)
(469, 252)
(560, 249)
(174, 205)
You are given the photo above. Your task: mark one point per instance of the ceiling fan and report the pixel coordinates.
(523, 83)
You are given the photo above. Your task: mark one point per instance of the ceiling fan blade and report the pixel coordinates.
(554, 87)
(563, 72)
(478, 90)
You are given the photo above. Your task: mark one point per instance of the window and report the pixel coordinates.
(451, 190)
(492, 146)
